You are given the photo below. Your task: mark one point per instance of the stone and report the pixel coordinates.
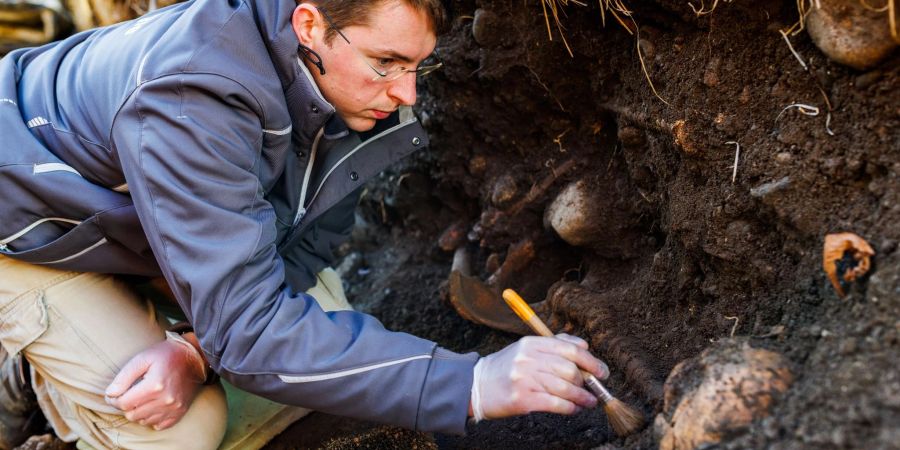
(719, 393)
(770, 188)
(711, 75)
(478, 165)
(589, 213)
(850, 34)
(568, 214)
(648, 50)
(485, 29)
(452, 237)
(504, 191)
(783, 158)
(867, 79)
(682, 133)
(632, 137)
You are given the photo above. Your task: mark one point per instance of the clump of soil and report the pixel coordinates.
(709, 252)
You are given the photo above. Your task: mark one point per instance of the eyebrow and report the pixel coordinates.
(395, 55)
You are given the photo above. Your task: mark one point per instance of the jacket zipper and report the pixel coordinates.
(307, 177)
(5, 241)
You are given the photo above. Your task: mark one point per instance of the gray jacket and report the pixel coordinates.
(193, 143)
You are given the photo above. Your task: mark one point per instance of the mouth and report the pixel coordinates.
(379, 114)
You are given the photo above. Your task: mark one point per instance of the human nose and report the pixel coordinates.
(403, 89)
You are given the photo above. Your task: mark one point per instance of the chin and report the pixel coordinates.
(360, 123)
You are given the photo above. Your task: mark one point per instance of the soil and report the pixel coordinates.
(700, 252)
(705, 253)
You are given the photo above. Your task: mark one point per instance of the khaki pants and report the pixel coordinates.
(78, 329)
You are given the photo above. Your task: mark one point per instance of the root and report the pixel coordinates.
(806, 110)
(703, 11)
(540, 188)
(736, 322)
(517, 258)
(737, 155)
(793, 52)
(558, 103)
(621, 352)
(641, 119)
(558, 140)
(679, 130)
(637, 43)
(803, 9)
(828, 114)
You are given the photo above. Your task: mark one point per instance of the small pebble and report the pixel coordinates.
(867, 79)
(784, 158)
(711, 75)
(848, 347)
(770, 188)
(477, 165)
(744, 96)
(485, 28)
(631, 137)
(648, 50)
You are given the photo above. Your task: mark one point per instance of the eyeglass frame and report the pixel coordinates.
(383, 76)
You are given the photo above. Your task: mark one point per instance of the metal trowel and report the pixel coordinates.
(477, 302)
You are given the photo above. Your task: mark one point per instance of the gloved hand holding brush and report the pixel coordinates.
(535, 374)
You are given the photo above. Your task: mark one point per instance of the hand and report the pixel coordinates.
(156, 387)
(535, 374)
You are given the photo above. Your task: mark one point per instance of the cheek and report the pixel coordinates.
(360, 95)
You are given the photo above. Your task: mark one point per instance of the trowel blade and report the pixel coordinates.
(478, 303)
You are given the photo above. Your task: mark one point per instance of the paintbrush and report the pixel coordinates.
(623, 418)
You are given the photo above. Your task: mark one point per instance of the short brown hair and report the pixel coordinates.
(346, 13)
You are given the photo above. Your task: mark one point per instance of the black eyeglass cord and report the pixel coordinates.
(311, 56)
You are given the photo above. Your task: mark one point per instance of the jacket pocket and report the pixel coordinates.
(53, 226)
(76, 243)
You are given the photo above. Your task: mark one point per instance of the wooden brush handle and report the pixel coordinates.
(524, 311)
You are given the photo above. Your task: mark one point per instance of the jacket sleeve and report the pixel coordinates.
(189, 146)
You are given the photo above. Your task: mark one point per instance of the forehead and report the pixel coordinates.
(396, 25)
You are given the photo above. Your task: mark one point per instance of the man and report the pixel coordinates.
(223, 146)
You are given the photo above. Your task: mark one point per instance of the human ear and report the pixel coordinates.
(307, 24)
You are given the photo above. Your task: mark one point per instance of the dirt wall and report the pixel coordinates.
(707, 252)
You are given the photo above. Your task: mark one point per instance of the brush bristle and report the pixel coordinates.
(623, 418)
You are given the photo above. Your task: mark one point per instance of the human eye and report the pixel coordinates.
(386, 63)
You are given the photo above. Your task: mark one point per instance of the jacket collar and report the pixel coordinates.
(308, 109)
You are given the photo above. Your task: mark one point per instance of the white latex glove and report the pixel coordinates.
(535, 374)
(156, 387)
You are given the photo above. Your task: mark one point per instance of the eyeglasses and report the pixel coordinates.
(390, 69)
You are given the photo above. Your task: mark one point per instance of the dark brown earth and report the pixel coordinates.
(694, 257)
(701, 257)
